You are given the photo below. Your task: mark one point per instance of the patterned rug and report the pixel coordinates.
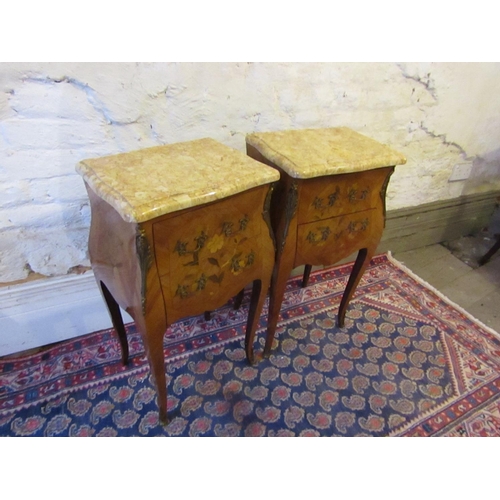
(407, 363)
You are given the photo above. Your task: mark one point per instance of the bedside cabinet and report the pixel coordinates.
(329, 203)
(176, 231)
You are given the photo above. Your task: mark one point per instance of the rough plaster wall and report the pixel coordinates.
(54, 114)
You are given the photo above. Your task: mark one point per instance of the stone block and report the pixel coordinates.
(13, 263)
(51, 251)
(51, 134)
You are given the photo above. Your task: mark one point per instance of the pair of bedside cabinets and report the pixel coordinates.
(178, 230)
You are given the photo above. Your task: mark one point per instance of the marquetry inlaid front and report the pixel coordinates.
(325, 242)
(322, 197)
(203, 253)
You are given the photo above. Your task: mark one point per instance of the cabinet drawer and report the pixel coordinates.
(330, 196)
(205, 255)
(328, 241)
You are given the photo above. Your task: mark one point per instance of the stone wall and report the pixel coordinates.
(54, 114)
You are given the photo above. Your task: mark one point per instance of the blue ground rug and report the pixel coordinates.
(407, 363)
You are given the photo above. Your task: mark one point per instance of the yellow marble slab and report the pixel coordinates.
(147, 183)
(315, 152)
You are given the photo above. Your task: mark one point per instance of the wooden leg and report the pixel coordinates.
(305, 277)
(278, 285)
(238, 299)
(362, 261)
(153, 342)
(256, 303)
(207, 315)
(117, 320)
(486, 257)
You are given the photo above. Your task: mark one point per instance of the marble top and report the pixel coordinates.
(315, 152)
(147, 183)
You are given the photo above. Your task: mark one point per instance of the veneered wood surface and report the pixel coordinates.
(325, 242)
(324, 197)
(204, 256)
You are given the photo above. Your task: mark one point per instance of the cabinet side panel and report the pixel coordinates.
(113, 253)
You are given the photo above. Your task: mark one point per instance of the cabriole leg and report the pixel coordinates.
(117, 320)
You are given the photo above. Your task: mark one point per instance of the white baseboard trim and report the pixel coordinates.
(45, 311)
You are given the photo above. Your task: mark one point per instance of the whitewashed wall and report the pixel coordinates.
(54, 114)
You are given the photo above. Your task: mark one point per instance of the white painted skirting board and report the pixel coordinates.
(41, 312)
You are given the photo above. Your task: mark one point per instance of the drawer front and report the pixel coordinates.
(207, 255)
(328, 241)
(330, 196)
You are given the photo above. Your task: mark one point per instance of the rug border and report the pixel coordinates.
(443, 297)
